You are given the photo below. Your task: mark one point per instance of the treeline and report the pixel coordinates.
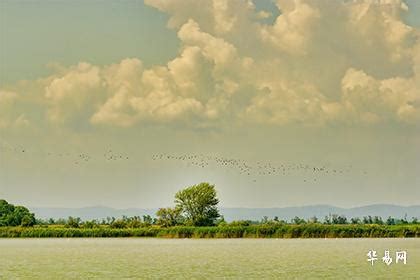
(195, 215)
(335, 219)
(11, 215)
(148, 221)
(309, 230)
(111, 222)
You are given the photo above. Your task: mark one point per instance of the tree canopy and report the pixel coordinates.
(11, 215)
(168, 217)
(198, 204)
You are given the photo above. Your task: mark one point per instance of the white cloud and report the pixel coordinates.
(374, 100)
(74, 93)
(293, 29)
(354, 62)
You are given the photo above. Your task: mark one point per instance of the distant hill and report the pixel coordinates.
(286, 213)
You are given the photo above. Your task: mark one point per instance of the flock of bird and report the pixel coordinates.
(257, 168)
(76, 157)
(252, 170)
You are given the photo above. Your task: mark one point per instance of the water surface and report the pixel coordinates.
(143, 258)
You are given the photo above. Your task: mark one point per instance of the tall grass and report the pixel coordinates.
(313, 230)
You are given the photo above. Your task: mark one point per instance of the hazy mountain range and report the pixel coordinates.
(286, 213)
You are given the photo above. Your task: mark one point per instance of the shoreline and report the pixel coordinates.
(285, 231)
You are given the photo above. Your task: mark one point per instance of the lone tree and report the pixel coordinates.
(198, 204)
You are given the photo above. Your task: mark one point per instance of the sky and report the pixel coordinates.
(277, 103)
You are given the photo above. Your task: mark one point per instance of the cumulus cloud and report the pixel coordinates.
(74, 93)
(293, 29)
(149, 96)
(319, 62)
(370, 100)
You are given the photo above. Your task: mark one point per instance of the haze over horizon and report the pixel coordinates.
(277, 103)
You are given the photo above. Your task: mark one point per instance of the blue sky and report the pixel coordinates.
(37, 33)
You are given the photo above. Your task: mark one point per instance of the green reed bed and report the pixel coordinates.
(252, 231)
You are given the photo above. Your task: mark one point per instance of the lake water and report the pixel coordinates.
(143, 258)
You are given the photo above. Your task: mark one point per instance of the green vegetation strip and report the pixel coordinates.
(252, 231)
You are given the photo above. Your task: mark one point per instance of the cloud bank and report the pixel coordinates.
(318, 63)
